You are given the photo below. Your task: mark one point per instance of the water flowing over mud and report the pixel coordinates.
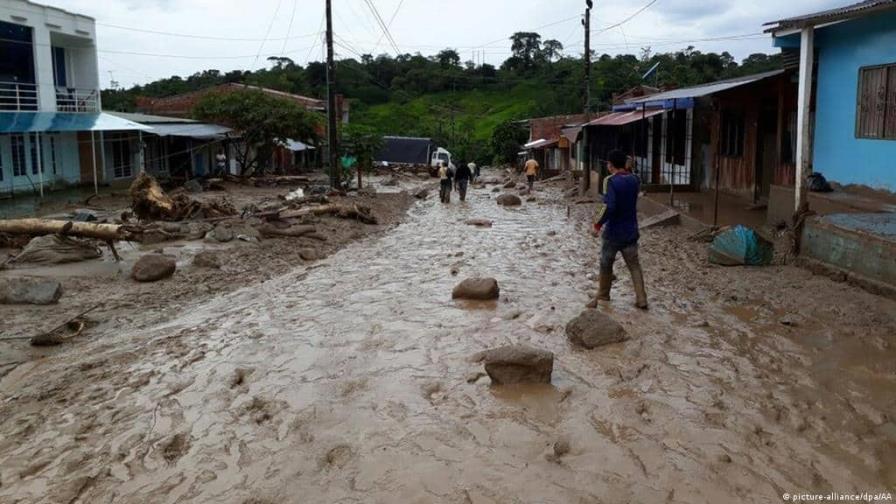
(351, 380)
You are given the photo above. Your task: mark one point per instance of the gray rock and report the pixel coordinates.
(153, 267)
(207, 259)
(422, 193)
(29, 291)
(84, 215)
(518, 364)
(220, 234)
(193, 186)
(509, 184)
(478, 222)
(496, 189)
(309, 254)
(476, 288)
(593, 328)
(508, 199)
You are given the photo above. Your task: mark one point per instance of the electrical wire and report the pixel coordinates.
(379, 20)
(391, 19)
(292, 16)
(626, 20)
(266, 33)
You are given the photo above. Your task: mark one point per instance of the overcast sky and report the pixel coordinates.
(241, 34)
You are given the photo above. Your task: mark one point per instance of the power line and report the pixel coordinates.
(391, 19)
(379, 20)
(266, 33)
(292, 16)
(629, 18)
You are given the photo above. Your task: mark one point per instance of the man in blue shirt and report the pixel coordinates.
(620, 218)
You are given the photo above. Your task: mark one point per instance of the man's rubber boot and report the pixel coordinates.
(638, 284)
(605, 281)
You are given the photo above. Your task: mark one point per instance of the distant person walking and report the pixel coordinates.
(620, 216)
(221, 162)
(444, 182)
(475, 169)
(462, 177)
(531, 172)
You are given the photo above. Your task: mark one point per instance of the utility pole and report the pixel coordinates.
(332, 135)
(586, 150)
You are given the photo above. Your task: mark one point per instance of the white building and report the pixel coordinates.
(51, 121)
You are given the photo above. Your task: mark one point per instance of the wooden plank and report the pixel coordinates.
(890, 121)
(872, 105)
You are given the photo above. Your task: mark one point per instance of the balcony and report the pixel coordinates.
(18, 97)
(77, 100)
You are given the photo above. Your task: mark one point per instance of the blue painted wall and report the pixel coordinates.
(842, 50)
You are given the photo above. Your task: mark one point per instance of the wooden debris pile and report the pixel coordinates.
(150, 202)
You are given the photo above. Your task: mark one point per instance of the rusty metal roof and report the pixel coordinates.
(623, 118)
(828, 16)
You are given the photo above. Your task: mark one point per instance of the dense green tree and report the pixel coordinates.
(262, 121)
(506, 141)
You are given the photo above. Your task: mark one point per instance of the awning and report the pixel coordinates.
(623, 118)
(540, 144)
(572, 133)
(295, 145)
(685, 97)
(34, 122)
(203, 131)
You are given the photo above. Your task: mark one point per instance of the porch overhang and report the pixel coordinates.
(623, 118)
(202, 131)
(39, 122)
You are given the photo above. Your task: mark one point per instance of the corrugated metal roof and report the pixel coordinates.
(540, 144)
(623, 118)
(22, 122)
(149, 119)
(705, 89)
(827, 16)
(193, 130)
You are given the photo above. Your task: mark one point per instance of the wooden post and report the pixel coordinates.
(96, 187)
(803, 124)
(332, 136)
(40, 163)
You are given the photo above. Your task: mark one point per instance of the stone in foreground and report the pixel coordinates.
(593, 328)
(518, 364)
(153, 267)
(478, 222)
(477, 288)
(508, 199)
(29, 291)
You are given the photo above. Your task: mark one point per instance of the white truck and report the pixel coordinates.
(441, 155)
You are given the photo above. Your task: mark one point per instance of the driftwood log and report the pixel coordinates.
(39, 227)
(292, 231)
(344, 211)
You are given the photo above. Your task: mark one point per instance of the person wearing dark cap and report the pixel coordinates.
(619, 221)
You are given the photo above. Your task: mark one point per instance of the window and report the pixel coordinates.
(678, 125)
(60, 78)
(17, 146)
(121, 156)
(876, 109)
(53, 153)
(731, 135)
(34, 142)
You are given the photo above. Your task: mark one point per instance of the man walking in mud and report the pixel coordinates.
(462, 177)
(620, 216)
(531, 172)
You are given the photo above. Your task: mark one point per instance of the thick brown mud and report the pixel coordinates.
(350, 380)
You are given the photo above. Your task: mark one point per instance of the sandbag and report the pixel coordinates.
(740, 246)
(55, 249)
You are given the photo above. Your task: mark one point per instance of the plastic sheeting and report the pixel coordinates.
(740, 246)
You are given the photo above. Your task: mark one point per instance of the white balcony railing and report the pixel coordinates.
(18, 96)
(77, 100)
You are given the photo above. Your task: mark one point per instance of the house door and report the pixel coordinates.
(656, 160)
(766, 148)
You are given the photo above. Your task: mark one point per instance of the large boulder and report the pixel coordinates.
(221, 234)
(593, 328)
(518, 364)
(153, 267)
(508, 199)
(476, 288)
(29, 291)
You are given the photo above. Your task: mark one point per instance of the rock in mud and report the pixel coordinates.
(220, 234)
(392, 181)
(422, 194)
(29, 291)
(593, 328)
(478, 222)
(153, 267)
(510, 184)
(508, 199)
(193, 186)
(518, 364)
(207, 259)
(496, 189)
(309, 254)
(477, 288)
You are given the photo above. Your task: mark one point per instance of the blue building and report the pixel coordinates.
(846, 124)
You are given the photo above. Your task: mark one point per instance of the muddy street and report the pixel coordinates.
(350, 379)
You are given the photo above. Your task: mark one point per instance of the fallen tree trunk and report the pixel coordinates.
(36, 227)
(345, 211)
(292, 231)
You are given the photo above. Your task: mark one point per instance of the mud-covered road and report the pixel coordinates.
(350, 380)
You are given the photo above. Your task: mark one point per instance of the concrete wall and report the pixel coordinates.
(841, 241)
(59, 150)
(842, 50)
(51, 25)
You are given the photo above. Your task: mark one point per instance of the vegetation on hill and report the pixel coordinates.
(460, 104)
